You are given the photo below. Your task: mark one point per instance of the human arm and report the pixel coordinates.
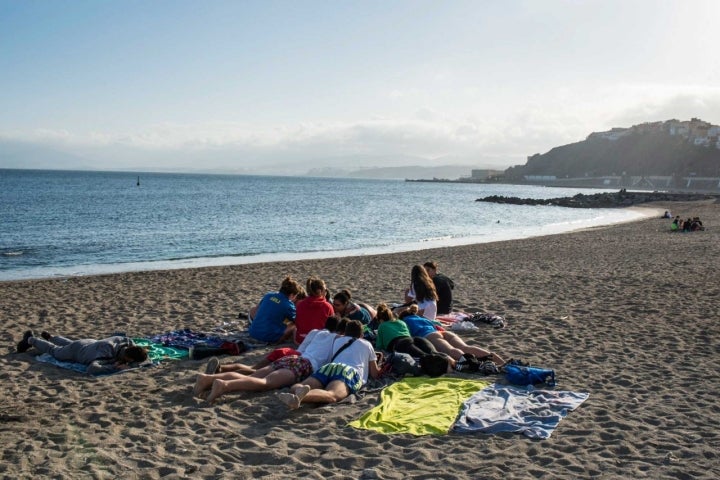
(99, 367)
(374, 370)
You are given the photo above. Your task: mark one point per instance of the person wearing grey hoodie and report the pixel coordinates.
(101, 356)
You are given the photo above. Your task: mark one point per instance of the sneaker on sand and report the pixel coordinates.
(213, 366)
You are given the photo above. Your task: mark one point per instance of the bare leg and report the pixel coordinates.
(460, 344)
(264, 362)
(237, 367)
(299, 391)
(204, 381)
(443, 346)
(276, 379)
(333, 393)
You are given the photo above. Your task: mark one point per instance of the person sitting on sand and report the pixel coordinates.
(352, 362)
(444, 341)
(312, 312)
(443, 286)
(108, 355)
(422, 291)
(676, 224)
(345, 307)
(393, 335)
(282, 372)
(274, 319)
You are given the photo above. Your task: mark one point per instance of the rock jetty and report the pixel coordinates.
(619, 199)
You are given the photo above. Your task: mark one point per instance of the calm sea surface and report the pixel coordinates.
(60, 223)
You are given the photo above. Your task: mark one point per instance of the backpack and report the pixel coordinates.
(521, 375)
(434, 364)
(402, 364)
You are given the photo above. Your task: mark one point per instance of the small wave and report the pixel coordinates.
(13, 254)
(435, 239)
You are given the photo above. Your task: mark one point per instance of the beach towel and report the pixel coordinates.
(187, 338)
(81, 368)
(158, 351)
(419, 405)
(501, 408)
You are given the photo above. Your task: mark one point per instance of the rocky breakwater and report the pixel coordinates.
(601, 200)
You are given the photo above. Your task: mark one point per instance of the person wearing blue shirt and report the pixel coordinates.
(274, 319)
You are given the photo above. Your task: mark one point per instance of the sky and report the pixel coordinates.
(280, 87)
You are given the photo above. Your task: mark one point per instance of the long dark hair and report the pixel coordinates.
(422, 284)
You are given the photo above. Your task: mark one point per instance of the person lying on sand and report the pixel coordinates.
(444, 341)
(352, 361)
(286, 370)
(101, 356)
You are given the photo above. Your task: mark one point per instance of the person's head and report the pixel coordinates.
(315, 287)
(354, 329)
(135, 354)
(430, 268)
(384, 314)
(422, 284)
(300, 295)
(331, 323)
(289, 287)
(411, 310)
(341, 326)
(341, 300)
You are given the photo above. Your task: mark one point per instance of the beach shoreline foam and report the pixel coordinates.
(619, 216)
(627, 312)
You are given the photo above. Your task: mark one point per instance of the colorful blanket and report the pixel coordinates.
(158, 351)
(501, 408)
(419, 405)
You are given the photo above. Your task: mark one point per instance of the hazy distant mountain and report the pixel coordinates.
(412, 172)
(667, 148)
(35, 156)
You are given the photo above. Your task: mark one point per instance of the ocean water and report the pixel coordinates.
(63, 223)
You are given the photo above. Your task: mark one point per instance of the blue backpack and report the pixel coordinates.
(521, 375)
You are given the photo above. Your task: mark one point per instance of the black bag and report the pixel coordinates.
(468, 363)
(434, 364)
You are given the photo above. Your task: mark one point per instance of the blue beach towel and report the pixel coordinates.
(80, 368)
(501, 408)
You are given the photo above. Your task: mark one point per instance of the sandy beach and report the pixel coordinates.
(629, 313)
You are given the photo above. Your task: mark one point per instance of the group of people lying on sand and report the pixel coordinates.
(333, 357)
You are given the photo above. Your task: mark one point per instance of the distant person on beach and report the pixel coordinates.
(353, 360)
(108, 355)
(343, 306)
(313, 311)
(393, 335)
(443, 340)
(422, 291)
(443, 286)
(274, 318)
(676, 224)
(667, 214)
(313, 353)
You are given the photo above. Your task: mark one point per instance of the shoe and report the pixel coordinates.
(46, 336)
(24, 345)
(213, 366)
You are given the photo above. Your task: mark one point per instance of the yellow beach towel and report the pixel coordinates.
(419, 405)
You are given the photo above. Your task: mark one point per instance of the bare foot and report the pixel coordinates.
(218, 388)
(202, 383)
(301, 391)
(289, 399)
